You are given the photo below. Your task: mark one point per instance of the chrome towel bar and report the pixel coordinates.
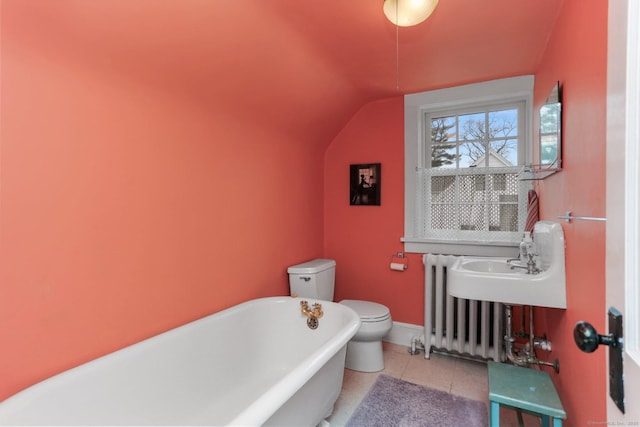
(568, 217)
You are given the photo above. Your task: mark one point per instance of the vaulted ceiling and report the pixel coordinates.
(302, 65)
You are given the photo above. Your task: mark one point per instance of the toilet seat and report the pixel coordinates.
(368, 311)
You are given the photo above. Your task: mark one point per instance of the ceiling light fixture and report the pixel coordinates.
(405, 13)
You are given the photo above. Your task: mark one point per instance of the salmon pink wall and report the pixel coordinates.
(362, 239)
(576, 55)
(128, 209)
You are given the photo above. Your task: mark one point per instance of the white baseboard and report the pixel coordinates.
(402, 333)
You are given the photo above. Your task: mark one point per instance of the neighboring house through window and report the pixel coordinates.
(464, 150)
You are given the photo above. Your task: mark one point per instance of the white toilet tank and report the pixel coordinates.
(313, 279)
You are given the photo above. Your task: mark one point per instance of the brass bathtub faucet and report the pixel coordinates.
(313, 314)
(315, 310)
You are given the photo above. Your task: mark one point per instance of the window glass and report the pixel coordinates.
(468, 191)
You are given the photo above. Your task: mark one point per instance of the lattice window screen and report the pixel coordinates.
(481, 200)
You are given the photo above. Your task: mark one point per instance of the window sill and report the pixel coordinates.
(449, 247)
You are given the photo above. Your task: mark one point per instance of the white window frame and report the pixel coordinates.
(417, 106)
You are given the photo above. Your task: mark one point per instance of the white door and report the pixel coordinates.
(623, 188)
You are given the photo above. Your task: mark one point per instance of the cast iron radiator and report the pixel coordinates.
(456, 325)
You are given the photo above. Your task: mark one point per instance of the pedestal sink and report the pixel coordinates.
(493, 279)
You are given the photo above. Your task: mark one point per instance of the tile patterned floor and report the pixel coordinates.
(458, 376)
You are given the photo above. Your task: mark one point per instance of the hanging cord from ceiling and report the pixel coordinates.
(397, 53)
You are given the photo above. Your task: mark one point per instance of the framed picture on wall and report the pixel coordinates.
(364, 184)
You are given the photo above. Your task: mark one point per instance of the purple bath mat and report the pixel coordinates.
(393, 402)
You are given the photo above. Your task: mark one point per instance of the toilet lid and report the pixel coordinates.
(367, 310)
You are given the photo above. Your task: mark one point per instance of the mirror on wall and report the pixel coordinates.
(551, 130)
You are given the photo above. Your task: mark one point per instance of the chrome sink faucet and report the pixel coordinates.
(531, 266)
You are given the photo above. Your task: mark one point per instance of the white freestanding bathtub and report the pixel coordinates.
(257, 363)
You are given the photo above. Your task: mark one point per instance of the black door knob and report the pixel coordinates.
(587, 338)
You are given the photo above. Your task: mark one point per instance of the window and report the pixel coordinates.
(472, 172)
(464, 149)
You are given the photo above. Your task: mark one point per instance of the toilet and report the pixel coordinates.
(315, 279)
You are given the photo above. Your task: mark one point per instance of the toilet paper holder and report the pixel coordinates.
(399, 262)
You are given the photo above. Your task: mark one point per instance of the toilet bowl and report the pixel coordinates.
(316, 279)
(364, 351)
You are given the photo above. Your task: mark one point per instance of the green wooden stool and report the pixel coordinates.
(524, 389)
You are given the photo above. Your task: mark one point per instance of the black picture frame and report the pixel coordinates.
(364, 184)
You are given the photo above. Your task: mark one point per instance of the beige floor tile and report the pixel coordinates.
(395, 362)
(470, 380)
(435, 372)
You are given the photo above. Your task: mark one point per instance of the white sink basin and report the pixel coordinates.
(488, 265)
(492, 279)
